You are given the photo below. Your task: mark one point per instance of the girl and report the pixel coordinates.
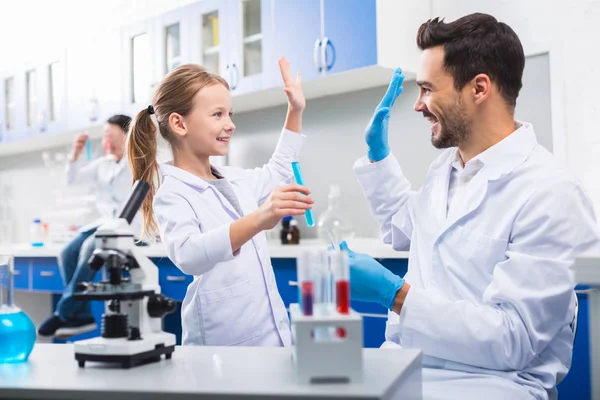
(211, 220)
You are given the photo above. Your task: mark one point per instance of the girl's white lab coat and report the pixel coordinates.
(112, 182)
(233, 299)
(491, 291)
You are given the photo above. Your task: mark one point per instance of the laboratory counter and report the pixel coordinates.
(372, 246)
(205, 373)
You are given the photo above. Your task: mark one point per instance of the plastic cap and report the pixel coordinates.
(287, 218)
(37, 221)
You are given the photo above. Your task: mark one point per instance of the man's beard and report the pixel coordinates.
(454, 128)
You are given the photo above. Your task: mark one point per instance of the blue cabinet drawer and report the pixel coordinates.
(21, 274)
(46, 275)
(285, 272)
(173, 283)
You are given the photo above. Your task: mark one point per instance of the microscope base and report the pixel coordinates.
(124, 352)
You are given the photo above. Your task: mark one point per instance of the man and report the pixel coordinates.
(488, 296)
(111, 177)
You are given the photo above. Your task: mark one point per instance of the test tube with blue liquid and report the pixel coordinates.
(310, 221)
(88, 149)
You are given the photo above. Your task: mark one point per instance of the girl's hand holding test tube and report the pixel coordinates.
(283, 201)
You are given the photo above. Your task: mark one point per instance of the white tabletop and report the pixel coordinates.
(372, 246)
(204, 373)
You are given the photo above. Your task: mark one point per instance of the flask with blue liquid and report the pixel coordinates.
(17, 331)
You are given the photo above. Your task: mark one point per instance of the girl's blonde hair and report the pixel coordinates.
(174, 94)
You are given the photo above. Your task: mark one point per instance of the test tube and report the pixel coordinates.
(310, 221)
(306, 280)
(88, 150)
(341, 275)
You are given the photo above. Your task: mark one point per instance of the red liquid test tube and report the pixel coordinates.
(342, 290)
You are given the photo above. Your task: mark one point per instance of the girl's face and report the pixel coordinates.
(208, 128)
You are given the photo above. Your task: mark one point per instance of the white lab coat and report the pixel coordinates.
(491, 289)
(233, 299)
(112, 182)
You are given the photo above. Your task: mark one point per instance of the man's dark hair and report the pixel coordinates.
(122, 121)
(478, 44)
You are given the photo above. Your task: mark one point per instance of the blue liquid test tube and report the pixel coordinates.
(88, 150)
(310, 221)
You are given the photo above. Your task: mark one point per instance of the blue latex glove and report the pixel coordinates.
(376, 135)
(370, 281)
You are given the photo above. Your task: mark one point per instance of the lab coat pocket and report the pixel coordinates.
(475, 258)
(228, 315)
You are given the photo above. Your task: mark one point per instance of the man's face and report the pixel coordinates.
(440, 103)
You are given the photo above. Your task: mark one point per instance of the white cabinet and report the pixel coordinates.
(250, 61)
(139, 73)
(172, 42)
(209, 36)
(52, 93)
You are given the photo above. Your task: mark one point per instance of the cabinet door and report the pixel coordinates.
(139, 65)
(297, 36)
(208, 34)
(55, 92)
(350, 38)
(9, 107)
(172, 41)
(250, 61)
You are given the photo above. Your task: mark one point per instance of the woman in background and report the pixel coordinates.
(111, 177)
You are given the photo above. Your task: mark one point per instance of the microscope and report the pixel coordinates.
(132, 321)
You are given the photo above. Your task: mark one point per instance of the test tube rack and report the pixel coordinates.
(329, 360)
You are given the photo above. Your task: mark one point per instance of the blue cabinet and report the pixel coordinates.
(298, 32)
(173, 283)
(350, 35)
(576, 385)
(22, 273)
(322, 37)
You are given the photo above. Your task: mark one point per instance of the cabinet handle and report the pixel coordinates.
(327, 43)
(584, 291)
(237, 76)
(316, 54)
(292, 283)
(16, 273)
(46, 274)
(373, 315)
(172, 278)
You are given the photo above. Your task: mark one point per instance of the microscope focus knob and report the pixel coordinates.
(160, 305)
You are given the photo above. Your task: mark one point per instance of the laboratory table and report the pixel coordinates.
(205, 373)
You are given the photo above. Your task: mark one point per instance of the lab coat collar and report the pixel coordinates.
(168, 169)
(512, 151)
(500, 159)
